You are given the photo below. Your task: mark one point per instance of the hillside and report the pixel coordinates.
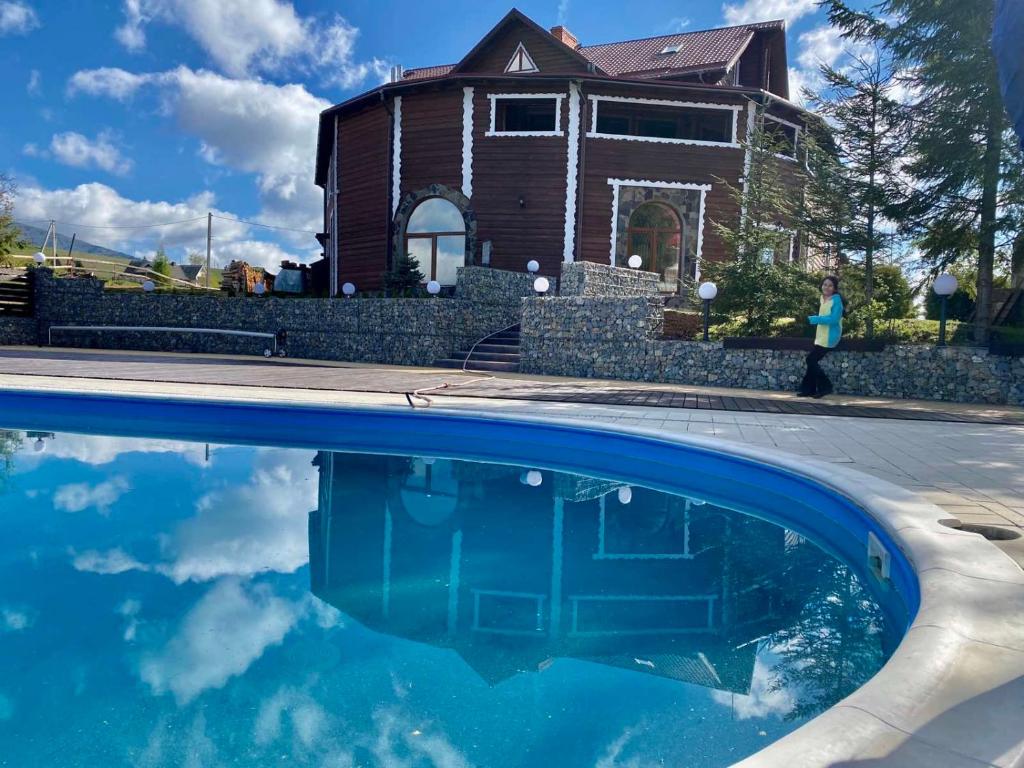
(35, 236)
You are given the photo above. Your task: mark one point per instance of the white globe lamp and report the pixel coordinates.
(625, 494)
(532, 266)
(149, 286)
(433, 287)
(635, 262)
(541, 285)
(707, 292)
(39, 446)
(260, 288)
(39, 257)
(348, 289)
(534, 478)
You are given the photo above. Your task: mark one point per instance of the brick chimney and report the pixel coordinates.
(563, 35)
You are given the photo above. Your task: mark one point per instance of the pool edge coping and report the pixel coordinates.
(954, 657)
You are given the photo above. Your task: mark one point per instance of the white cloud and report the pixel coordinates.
(97, 450)
(678, 24)
(260, 253)
(34, 85)
(762, 700)
(17, 18)
(76, 150)
(77, 497)
(750, 11)
(246, 37)
(821, 45)
(800, 79)
(220, 113)
(107, 563)
(220, 638)
(248, 529)
(15, 620)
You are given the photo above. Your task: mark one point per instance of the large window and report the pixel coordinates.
(664, 122)
(436, 238)
(786, 134)
(525, 115)
(655, 235)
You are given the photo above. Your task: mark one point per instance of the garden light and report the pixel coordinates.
(433, 287)
(707, 292)
(348, 289)
(541, 285)
(532, 266)
(635, 262)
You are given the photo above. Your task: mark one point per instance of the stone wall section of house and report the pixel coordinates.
(620, 339)
(490, 285)
(588, 278)
(391, 331)
(18, 331)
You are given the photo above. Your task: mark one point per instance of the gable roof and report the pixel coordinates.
(707, 49)
(513, 17)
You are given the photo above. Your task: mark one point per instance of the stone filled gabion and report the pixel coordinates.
(619, 338)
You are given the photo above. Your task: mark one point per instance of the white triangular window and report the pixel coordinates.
(521, 61)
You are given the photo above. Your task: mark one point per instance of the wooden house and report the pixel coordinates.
(535, 146)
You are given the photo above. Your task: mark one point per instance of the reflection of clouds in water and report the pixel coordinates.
(246, 529)
(224, 633)
(77, 497)
(15, 619)
(762, 700)
(237, 531)
(110, 562)
(130, 610)
(6, 707)
(96, 449)
(613, 753)
(166, 747)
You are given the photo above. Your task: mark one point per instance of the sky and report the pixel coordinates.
(140, 112)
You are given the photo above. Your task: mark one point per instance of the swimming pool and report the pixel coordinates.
(381, 588)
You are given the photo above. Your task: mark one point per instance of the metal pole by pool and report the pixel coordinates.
(707, 317)
(942, 321)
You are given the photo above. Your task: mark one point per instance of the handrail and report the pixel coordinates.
(478, 343)
(167, 329)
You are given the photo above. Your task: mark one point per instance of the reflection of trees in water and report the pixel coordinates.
(835, 645)
(10, 442)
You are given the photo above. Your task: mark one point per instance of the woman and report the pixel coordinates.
(830, 328)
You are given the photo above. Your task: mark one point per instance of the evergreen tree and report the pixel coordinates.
(961, 153)
(867, 125)
(825, 213)
(162, 266)
(405, 279)
(10, 236)
(752, 283)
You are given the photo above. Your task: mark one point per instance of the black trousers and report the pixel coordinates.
(815, 381)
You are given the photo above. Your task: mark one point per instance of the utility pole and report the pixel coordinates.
(53, 226)
(209, 244)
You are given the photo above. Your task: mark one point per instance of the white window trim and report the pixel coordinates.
(396, 166)
(734, 108)
(790, 232)
(616, 184)
(527, 57)
(467, 142)
(493, 97)
(571, 168)
(796, 138)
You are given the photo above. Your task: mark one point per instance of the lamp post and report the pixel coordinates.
(707, 292)
(39, 258)
(945, 285)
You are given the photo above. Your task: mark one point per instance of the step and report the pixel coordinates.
(485, 365)
(488, 347)
(497, 357)
(504, 337)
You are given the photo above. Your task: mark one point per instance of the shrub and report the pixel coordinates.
(683, 325)
(405, 279)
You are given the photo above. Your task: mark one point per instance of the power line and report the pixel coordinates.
(261, 224)
(113, 226)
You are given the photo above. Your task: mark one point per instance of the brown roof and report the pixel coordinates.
(424, 72)
(702, 50)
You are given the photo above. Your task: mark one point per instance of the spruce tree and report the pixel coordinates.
(960, 150)
(867, 126)
(405, 278)
(11, 239)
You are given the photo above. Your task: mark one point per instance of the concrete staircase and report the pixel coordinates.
(498, 352)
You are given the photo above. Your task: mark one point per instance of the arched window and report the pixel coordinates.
(655, 234)
(436, 237)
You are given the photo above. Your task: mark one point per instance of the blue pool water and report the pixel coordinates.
(344, 601)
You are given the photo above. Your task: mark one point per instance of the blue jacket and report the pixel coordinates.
(830, 326)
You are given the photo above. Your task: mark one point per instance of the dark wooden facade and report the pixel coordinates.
(521, 186)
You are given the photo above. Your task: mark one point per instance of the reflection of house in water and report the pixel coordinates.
(513, 575)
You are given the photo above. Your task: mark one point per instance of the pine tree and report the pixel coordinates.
(752, 283)
(961, 153)
(162, 266)
(868, 127)
(405, 279)
(825, 213)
